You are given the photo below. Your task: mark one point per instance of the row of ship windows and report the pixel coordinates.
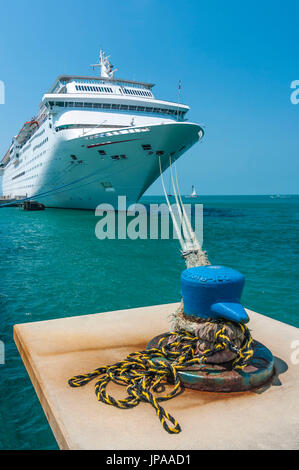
(41, 144)
(101, 89)
(32, 138)
(27, 171)
(94, 88)
(146, 147)
(27, 186)
(29, 161)
(33, 167)
(137, 92)
(29, 178)
(122, 107)
(18, 176)
(102, 152)
(36, 157)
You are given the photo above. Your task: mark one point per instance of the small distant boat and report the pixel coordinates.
(279, 196)
(193, 193)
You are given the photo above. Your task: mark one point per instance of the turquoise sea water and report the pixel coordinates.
(52, 265)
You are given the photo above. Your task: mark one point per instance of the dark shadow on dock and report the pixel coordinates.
(280, 367)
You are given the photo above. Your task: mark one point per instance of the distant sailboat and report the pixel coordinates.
(279, 196)
(193, 193)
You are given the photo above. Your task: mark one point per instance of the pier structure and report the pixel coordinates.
(12, 201)
(55, 350)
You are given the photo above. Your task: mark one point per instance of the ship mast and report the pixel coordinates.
(106, 68)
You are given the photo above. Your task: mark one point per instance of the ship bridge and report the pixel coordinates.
(76, 91)
(108, 93)
(65, 83)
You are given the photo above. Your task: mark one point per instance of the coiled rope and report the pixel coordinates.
(145, 373)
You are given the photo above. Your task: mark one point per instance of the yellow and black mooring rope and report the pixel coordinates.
(145, 373)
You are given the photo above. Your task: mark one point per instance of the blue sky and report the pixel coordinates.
(236, 61)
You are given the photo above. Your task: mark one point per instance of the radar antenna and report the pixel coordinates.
(106, 68)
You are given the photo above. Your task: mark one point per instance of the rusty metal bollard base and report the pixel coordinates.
(222, 377)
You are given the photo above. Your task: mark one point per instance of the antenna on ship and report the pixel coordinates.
(179, 95)
(106, 68)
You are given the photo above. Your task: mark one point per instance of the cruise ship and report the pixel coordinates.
(94, 139)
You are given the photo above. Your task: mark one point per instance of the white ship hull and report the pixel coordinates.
(68, 170)
(94, 139)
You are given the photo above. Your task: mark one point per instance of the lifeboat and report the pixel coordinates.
(26, 131)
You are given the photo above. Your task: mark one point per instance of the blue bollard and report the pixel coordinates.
(213, 292)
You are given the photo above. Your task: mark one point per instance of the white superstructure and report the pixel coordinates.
(95, 138)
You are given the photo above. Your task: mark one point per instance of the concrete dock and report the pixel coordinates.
(11, 202)
(55, 350)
